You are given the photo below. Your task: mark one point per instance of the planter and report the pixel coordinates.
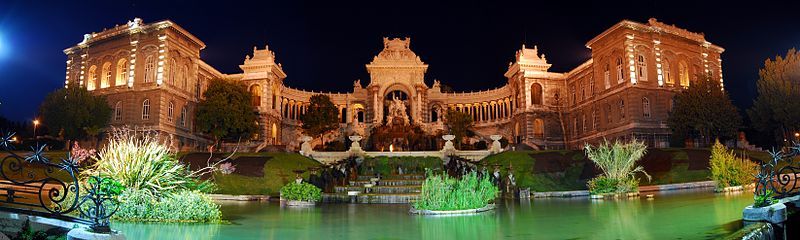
(486, 208)
(297, 203)
(775, 213)
(614, 195)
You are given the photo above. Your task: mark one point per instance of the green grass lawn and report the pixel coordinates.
(277, 172)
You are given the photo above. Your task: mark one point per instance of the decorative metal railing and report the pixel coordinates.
(35, 185)
(778, 177)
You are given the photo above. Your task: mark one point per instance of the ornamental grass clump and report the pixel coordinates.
(618, 164)
(301, 192)
(157, 187)
(729, 170)
(441, 192)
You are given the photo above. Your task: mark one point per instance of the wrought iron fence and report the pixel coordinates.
(778, 177)
(33, 184)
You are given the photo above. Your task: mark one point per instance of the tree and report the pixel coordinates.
(458, 123)
(776, 110)
(72, 111)
(704, 110)
(225, 111)
(322, 116)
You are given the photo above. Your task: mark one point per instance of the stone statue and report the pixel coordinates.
(357, 83)
(397, 109)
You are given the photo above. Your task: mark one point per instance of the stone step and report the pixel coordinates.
(382, 189)
(370, 198)
(388, 182)
(394, 177)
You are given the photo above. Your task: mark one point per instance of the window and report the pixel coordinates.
(183, 116)
(591, 85)
(683, 73)
(583, 91)
(118, 111)
(92, 78)
(185, 77)
(622, 109)
(146, 109)
(435, 114)
(620, 72)
(173, 71)
(122, 72)
(170, 111)
(255, 94)
(274, 98)
(595, 119)
(575, 127)
(105, 80)
(646, 107)
(642, 68)
(666, 72)
(573, 94)
(197, 89)
(536, 94)
(583, 123)
(607, 77)
(609, 118)
(149, 69)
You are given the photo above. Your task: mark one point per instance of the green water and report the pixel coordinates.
(695, 214)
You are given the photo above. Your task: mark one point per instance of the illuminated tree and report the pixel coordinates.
(704, 111)
(74, 113)
(776, 110)
(322, 117)
(459, 124)
(225, 111)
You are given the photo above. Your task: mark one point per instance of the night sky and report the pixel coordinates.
(324, 46)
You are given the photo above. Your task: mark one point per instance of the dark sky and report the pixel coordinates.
(324, 46)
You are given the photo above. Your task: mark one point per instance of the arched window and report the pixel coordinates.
(170, 111)
(683, 73)
(646, 107)
(173, 71)
(146, 109)
(667, 74)
(122, 72)
(92, 78)
(620, 72)
(118, 111)
(536, 94)
(105, 80)
(185, 77)
(642, 68)
(607, 77)
(149, 68)
(621, 109)
(435, 114)
(255, 95)
(274, 98)
(183, 116)
(343, 117)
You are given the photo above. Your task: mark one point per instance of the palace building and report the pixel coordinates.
(153, 76)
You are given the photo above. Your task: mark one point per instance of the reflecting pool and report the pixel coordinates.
(688, 214)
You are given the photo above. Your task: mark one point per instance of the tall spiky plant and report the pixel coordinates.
(618, 160)
(140, 160)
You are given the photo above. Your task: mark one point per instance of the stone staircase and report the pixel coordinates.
(390, 189)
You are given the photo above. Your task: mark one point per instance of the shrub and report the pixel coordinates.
(763, 200)
(301, 192)
(441, 192)
(729, 170)
(618, 163)
(142, 161)
(180, 206)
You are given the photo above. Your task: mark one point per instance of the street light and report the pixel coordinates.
(35, 124)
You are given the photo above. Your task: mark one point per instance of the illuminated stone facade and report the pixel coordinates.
(153, 76)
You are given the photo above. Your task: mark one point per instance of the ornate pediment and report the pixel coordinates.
(260, 64)
(396, 51)
(529, 58)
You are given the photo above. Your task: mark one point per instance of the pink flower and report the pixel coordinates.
(227, 168)
(79, 154)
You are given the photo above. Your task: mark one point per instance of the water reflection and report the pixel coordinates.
(686, 214)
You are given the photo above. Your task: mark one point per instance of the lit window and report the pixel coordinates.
(607, 77)
(149, 69)
(92, 78)
(122, 72)
(642, 68)
(105, 80)
(536, 94)
(173, 71)
(667, 75)
(683, 73)
(146, 109)
(255, 94)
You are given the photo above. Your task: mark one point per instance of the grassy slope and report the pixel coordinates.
(574, 162)
(277, 172)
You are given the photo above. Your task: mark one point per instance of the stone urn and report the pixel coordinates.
(355, 146)
(448, 146)
(305, 147)
(496, 146)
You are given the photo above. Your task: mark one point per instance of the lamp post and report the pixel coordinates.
(35, 125)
